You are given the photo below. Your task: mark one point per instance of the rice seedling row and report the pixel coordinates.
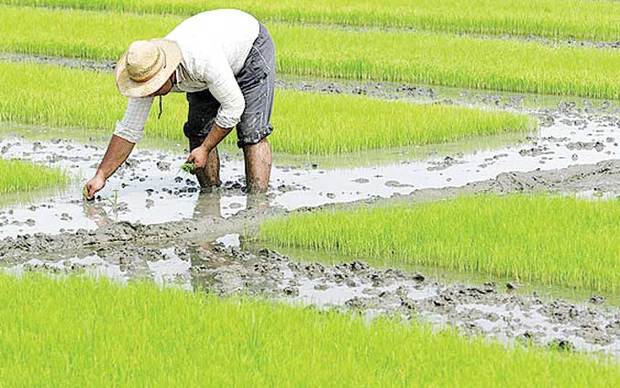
(306, 123)
(593, 20)
(18, 176)
(436, 59)
(553, 240)
(81, 332)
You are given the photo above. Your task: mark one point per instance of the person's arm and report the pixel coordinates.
(116, 154)
(225, 89)
(128, 132)
(200, 155)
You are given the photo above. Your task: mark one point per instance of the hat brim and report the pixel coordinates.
(129, 88)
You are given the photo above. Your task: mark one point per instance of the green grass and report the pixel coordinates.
(306, 123)
(78, 332)
(436, 59)
(595, 20)
(17, 176)
(551, 240)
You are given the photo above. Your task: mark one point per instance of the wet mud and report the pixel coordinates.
(603, 177)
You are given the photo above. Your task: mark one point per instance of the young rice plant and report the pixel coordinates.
(591, 20)
(79, 332)
(438, 59)
(18, 176)
(552, 240)
(306, 123)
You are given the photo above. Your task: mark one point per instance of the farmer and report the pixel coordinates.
(225, 61)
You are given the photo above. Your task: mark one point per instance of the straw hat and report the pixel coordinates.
(146, 66)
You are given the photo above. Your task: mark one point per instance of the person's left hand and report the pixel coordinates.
(199, 156)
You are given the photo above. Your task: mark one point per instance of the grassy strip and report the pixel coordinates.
(78, 332)
(553, 240)
(593, 20)
(312, 51)
(18, 176)
(306, 123)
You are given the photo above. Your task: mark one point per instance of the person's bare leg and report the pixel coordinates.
(257, 166)
(210, 176)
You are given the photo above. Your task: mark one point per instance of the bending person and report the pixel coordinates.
(225, 61)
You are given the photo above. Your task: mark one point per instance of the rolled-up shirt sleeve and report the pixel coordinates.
(131, 127)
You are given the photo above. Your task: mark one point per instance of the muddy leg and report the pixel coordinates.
(210, 176)
(257, 166)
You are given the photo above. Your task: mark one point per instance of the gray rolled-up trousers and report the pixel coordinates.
(256, 80)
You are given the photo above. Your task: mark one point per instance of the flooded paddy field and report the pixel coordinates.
(153, 224)
(151, 188)
(490, 309)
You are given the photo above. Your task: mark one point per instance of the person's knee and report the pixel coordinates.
(260, 145)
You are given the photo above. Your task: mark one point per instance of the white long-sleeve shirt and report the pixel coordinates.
(214, 46)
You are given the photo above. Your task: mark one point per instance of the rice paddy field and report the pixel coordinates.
(17, 176)
(595, 20)
(439, 59)
(518, 236)
(307, 117)
(442, 208)
(178, 338)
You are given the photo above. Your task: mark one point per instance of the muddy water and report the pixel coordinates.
(150, 188)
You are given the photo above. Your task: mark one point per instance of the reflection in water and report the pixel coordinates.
(208, 204)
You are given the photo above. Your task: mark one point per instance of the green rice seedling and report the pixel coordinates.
(306, 123)
(437, 59)
(189, 168)
(595, 20)
(85, 194)
(18, 176)
(551, 240)
(79, 332)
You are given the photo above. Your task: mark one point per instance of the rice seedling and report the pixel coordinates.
(79, 332)
(306, 123)
(551, 240)
(595, 20)
(436, 59)
(189, 168)
(18, 176)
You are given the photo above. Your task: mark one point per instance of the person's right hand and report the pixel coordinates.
(94, 185)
